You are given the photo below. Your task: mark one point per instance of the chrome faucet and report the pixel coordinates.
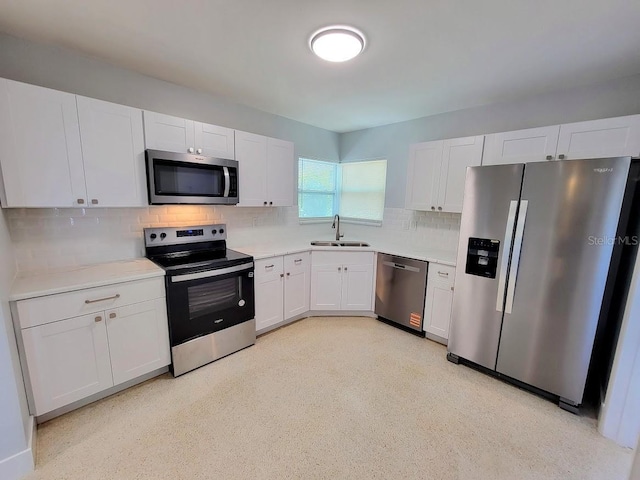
(336, 218)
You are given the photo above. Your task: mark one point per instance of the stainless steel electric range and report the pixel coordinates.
(210, 293)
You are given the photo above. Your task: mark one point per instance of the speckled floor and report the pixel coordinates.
(327, 398)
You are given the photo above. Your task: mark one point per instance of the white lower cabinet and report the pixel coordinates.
(69, 359)
(439, 300)
(138, 339)
(281, 288)
(342, 281)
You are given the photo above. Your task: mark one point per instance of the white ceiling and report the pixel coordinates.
(423, 56)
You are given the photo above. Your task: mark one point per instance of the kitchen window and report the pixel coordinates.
(355, 190)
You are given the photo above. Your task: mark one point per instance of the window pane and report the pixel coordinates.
(362, 190)
(316, 176)
(313, 205)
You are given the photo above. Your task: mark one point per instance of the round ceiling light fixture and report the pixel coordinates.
(337, 43)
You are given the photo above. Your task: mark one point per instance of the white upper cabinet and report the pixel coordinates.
(457, 155)
(436, 173)
(423, 175)
(280, 166)
(40, 152)
(113, 153)
(609, 137)
(172, 134)
(266, 170)
(175, 134)
(214, 141)
(521, 146)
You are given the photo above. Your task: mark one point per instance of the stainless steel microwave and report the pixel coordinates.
(181, 178)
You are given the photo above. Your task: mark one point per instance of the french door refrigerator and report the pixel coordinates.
(536, 243)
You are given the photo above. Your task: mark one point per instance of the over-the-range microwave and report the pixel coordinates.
(182, 178)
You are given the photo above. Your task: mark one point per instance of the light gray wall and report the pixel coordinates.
(14, 413)
(611, 99)
(65, 70)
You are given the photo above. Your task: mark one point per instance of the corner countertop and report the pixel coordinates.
(297, 246)
(80, 277)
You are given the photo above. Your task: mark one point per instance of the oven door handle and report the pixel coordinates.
(211, 273)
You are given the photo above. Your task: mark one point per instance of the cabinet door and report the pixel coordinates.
(458, 154)
(214, 141)
(269, 292)
(326, 287)
(280, 172)
(251, 154)
(423, 175)
(297, 283)
(438, 301)
(357, 287)
(138, 339)
(40, 152)
(521, 146)
(113, 153)
(67, 361)
(172, 134)
(609, 137)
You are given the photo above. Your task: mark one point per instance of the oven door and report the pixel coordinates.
(205, 302)
(177, 178)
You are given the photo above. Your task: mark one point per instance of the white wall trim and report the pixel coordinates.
(18, 465)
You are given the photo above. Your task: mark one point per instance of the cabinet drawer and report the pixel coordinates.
(342, 258)
(42, 310)
(443, 274)
(298, 262)
(269, 268)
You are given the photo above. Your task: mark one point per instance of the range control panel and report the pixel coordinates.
(179, 235)
(482, 257)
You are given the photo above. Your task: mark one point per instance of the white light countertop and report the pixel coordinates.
(297, 246)
(81, 277)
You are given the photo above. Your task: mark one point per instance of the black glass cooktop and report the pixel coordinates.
(200, 259)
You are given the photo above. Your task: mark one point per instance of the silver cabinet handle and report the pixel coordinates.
(506, 246)
(440, 208)
(345, 269)
(561, 156)
(265, 203)
(443, 274)
(549, 157)
(94, 201)
(288, 274)
(80, 201)
(433, 208)
(190, 150)
(339, 269)
(98, 319)
(298, 260)
(268, 266)
(112, 315)
(199, 151)
(281, 275)
(517, 250)
(270, 203)
(117, 295)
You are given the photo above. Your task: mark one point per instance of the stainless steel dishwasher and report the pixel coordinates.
(400, 289)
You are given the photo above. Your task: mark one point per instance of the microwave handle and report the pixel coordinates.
(227, 181)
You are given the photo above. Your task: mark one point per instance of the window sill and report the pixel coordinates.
(352, 221)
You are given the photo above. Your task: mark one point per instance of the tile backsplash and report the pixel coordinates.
(46, 239)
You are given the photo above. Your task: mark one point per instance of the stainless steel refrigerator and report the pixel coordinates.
(536, 243)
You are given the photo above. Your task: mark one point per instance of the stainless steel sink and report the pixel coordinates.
(354, 244)
(327, 243)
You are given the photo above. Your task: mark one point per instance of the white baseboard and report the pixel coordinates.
(18, 465)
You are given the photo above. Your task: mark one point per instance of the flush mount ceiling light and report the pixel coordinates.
(337, 43)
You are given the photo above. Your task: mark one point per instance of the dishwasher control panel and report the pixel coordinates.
(482, 257)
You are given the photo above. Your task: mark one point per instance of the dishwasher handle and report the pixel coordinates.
(401, 266)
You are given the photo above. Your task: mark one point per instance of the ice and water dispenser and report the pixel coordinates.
(482, 257)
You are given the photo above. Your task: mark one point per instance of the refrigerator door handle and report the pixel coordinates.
(515, 260)
(506, 248)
